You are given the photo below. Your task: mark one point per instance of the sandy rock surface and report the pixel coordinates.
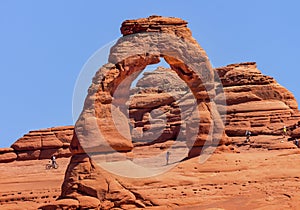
(253, 178)
(28, 185)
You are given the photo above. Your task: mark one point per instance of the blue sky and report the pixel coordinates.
(44, 45)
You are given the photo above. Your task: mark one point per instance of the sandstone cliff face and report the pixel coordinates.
(40, 144)
(256, 102)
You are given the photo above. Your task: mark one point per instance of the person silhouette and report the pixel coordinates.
(247, 134)
(53, 160)
(167, 157)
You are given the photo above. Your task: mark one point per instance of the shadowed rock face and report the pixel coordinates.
(98, 132)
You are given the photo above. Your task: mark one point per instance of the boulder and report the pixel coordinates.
(88, 202)
(7, 157)
(5, 150)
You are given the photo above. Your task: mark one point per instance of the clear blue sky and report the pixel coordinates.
(44, 44)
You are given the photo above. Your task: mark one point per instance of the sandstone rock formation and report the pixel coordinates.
(156, 107)
(249, 94)
(161, 108)
(256, 102)
(7, 155)
(40, 144)
(103, 127)
(85, 179)
(295, 132)
(98, 131)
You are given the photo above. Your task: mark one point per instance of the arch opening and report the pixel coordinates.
(106, 125)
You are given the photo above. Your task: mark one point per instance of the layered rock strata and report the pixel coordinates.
(7, 155)
(256, 102)
(40, 144)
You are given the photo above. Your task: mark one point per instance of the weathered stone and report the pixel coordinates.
(151, 101)
(70, 204)
(103, 126)
(50, 141)
(255, 102)
(5, 150)
(254, 106)
(86, 178)
(28, 143)
(284, 145)
(58, 153)
(97, 129)
(29, 155)
(46, 142)
(64, 135)
(7, 157)
(88, 202)
(296, 133)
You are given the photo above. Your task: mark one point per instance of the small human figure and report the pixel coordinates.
(53, 160)
(284, 131)
(167, 157)
(247, 134)
(296, 142)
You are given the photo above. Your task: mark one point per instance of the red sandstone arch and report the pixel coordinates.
(96, 129)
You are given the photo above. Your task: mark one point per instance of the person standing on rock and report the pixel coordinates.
(296, 142)
(53, 160)
(247, 134)
(284, 132)
(167, 157)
